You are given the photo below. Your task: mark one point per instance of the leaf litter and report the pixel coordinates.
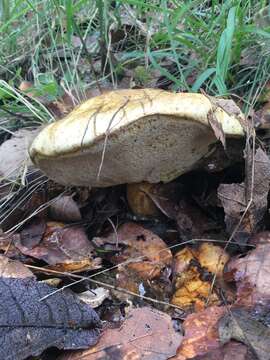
(136, 233)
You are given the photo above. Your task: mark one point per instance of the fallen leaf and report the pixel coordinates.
(232, 350)
(147, 253)
(28, 326)
(65, 209)
(13, 269)
(65, 247)
(234, 200)
(251, 274)
(217, 128)
(240, 325)
(14, 154)
(145, 334)
(201, 333)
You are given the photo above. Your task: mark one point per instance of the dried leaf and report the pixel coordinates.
(201, 333)
(28, 326)
(240, 325)
(217, 128)
(145, 334)
(146, 252)
(234, 201)
(232, 350)
(14, 154)
(60, 244)
(252, 276)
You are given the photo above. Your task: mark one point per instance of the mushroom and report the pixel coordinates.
(130, 136)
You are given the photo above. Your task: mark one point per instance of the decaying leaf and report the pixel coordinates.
(145, 334)
(234, 199)
(192, 288)
(201, 333)
(240, 325)
(252, 276)
(147, 253)
(28, 326)
(58, 245)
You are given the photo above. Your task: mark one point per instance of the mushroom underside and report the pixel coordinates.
(153, 149)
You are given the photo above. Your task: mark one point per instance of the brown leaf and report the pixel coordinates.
(252, 276)
(145, 334)
(60, 244)
(201, 333)
(217, 128)
(65, 209)
(234, 200)
(13, 269)
(147, 253)
(14, 158)
(191, 221)
(241, 325)
(232, 350)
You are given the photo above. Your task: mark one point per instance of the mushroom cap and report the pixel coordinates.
(128, 136)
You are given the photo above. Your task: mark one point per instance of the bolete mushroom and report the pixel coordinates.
(129, 136)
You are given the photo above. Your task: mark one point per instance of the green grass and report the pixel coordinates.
(70, 46)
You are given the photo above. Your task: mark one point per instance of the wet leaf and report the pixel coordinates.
(145, 334)
(28, 326)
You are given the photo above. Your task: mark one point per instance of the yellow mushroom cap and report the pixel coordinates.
(128, 136)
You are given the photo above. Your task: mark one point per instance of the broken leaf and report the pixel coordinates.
(251, 274)
(145, 334)
(28, 326)
(239, 324)
(59, 244)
